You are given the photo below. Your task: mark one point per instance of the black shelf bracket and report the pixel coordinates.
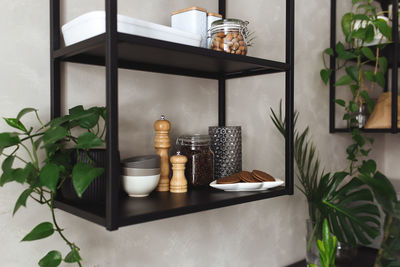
(55, 72)
(289, 96)
(112, 166)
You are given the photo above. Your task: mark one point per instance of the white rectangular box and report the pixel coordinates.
(93, 23)
(192, 19)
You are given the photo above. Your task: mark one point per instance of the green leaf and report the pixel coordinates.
(7, 164)
(367, 52)
(370, 103)
(76, 110)
(361, 17)
(359, 34)
(25, 111)
(21, 201)
(354, 89)
(368, 166)
(370, 76)
(346, 116)
(346, 23)
(383, 64)
(353, 106)
(380, 79)
(329, 51)
(82, 175)
(52, 259)
(49, 176)
(352, 72)
(9, 139)
(54, 134)
(369, 33)
(41, 231)
(325, 75)
(340, 102)
(15, 124)
(20, 175)
(88, 140)
(384, 28)
(89, 121)
(73, 256)
(344, 80)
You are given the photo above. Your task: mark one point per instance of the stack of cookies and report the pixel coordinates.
(255, 176)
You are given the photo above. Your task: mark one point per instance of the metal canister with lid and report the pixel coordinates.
(229, 35)
(200, 165)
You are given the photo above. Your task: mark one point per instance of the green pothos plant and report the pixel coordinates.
(55, 141)
(362, 26)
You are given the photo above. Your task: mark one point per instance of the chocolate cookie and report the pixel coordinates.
(262, 176)
(246, 177)
(233, 179)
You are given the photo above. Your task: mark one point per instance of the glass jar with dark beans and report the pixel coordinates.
(200, 165)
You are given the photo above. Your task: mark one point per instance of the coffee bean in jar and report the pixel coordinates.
(199, 170)
(229, 35)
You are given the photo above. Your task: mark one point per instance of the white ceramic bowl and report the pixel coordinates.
(139, 186)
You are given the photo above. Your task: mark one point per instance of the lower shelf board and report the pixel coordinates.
(161, 205)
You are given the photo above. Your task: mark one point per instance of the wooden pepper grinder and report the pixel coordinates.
(178, 181)
(162, 144)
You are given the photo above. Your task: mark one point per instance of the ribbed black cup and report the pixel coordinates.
(96, 191)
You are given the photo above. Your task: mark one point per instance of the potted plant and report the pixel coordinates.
(56, 142)
(362, 27)
(347, 205)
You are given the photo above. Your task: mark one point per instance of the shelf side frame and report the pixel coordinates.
(332, 66)
(112, 162)
(289, 96)
(395, 39)
(222, 79)
(55, 71)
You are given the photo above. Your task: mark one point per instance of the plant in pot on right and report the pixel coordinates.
(366, 32)
(346, 203)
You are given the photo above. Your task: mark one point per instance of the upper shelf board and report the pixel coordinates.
(147, 54)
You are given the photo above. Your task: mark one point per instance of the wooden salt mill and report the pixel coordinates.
(178, 181)
(162, 144)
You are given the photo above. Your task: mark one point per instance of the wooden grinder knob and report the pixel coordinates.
(162, 143)
(178, 181)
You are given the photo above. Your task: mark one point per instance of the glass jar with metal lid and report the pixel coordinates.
(200, 165)
(229, 35)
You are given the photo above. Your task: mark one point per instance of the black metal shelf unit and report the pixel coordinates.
(391, 52)
(117, 50)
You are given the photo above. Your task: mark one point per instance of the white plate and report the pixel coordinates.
(247, 186)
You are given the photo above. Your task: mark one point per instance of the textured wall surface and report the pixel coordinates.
(263, 233)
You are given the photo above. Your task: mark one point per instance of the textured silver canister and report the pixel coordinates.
(226, 143)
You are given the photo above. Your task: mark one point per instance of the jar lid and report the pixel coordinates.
(229, 22)
(188, 9)
(196, 139)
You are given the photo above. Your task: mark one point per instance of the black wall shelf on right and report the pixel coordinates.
(391, 52)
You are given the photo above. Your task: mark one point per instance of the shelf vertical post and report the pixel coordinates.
(55, 72)
(395, 53)
(222, 8)
(112, 166)
(221, 102)
(289, 97)
(332, 66)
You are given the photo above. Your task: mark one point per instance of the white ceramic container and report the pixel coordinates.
(139, 186)
(192, 19)
(378, 35)
(211, 17)
(93, 23)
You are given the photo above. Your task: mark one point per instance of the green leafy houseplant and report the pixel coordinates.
(57, 141)
(349, 208)
(360, 27)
